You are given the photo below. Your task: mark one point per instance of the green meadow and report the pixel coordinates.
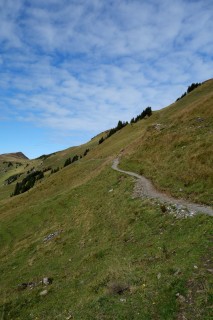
(112, 256)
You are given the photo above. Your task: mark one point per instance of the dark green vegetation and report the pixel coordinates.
(55, 170)
(147, 112)
(45, 156)
(71, 160)
(112, 131)
(12, 178)
(112, 256)
(28, 182)
(68, 161)
(189, 89)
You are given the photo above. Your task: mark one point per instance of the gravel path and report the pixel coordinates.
(145, 188)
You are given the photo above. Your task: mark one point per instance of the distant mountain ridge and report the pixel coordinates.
(13, 155)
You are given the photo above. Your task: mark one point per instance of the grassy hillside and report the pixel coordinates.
(111, 256)
(16, 156)
(175, 149)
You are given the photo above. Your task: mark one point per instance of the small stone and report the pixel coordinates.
(181, 298)
(43, 293)
(177, 272)
(210, 270)
(46, 281)
(22, 286)
(196, 267)
(31, 285)
(159, 275)
(122, 300)
(52, 235)
(199, 119)
(110, 190)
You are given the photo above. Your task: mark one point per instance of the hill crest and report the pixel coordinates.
(13, 155)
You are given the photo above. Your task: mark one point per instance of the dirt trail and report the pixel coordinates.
(144, 187)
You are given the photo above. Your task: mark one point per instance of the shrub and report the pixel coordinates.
(85, 152)
(147, 112)
(67, 162)
(189, 89)
(28, 182)
(55, 170)
(101, 140)
(12, 178)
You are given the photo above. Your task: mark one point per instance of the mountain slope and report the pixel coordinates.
(13, 156)
(176, 150)
(111, 256)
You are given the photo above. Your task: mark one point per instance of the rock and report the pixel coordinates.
(52, 235)
(46, 281)
(110, 190)
(43, 293)
(31, 285)
(210, 270)
(158, 126)
(191, 213)
(200, 119)
(177, 272)
(122, 300)
(196, 267)
(22, 286)
(25, 285)
(181, 298)
(159, 275)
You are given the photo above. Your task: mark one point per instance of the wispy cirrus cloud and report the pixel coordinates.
(83, 65)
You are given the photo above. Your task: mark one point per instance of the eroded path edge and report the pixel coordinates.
(145, 188)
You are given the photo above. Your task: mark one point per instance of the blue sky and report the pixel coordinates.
(70, 69)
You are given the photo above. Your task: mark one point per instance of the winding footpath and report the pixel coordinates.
(145, 188)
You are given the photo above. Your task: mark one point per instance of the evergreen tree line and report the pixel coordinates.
(54, 170)
(120, 125)
(189, 89)
(12, 178)
(85, 152)
(144, 113)
(68, 161)
(47, 169)
(28, 182)
(45, 156)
